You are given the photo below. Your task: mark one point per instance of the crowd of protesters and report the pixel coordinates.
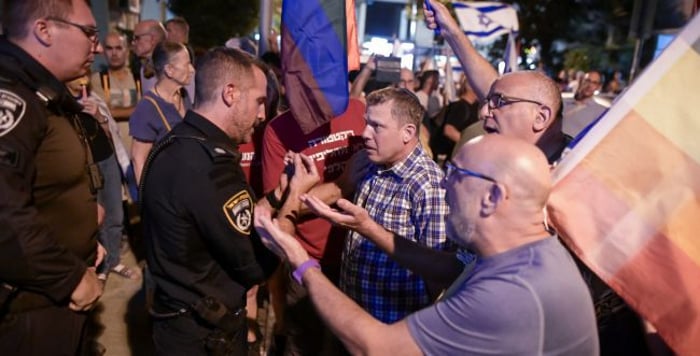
(412, 223)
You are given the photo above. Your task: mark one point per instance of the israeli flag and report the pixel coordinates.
(485, 21)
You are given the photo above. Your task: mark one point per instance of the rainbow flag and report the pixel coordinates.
(315, 60)
(627, 197)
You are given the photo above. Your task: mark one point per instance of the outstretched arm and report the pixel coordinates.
(358, 86)
(479, 71)
(441, 268)
(360, 333)
(345, 185)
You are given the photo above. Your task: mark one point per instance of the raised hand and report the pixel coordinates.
(371, 63)
(350, 216)
(438, 16)
(90, 107)
(305, 174)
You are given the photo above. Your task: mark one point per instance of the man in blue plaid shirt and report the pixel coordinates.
(401, 191)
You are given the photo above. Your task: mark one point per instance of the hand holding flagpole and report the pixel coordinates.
(428, 7)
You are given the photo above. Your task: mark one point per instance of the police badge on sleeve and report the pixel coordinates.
(11, 111)
(239, 212)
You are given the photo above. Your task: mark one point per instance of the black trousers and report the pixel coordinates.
(47, 331)
(305, 332)
(186, 335)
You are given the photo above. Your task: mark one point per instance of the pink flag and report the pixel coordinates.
(627, 197)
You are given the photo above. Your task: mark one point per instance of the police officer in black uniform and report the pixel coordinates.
(197, 212)
(48, 214)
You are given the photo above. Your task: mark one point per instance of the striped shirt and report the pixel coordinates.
(408, 200)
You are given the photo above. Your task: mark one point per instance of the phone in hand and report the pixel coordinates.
(289, 170)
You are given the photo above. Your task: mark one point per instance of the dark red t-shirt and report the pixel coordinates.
(330, 146)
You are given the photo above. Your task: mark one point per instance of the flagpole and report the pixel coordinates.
(265, 23)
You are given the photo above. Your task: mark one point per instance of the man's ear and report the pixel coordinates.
(544, 119)
(230, 94)
(42, 32)
(408, 132)
(491, 199)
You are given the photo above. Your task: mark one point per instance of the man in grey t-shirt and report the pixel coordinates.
(523, 297)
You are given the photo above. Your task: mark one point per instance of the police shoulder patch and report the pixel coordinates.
(12, 109)
(239, 212)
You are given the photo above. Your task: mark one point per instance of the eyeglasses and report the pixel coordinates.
(498, 100)
(451, 168)
(139, 37)
(91, 32)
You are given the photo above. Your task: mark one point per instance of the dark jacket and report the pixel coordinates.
(197, 211)
(47, 211)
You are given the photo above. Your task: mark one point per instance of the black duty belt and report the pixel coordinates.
(168, 315)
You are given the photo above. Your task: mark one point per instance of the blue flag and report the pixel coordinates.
(314, 60)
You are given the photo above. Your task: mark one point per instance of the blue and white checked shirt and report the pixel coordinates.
(406, 199)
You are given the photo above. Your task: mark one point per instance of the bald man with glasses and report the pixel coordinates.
(528, 105)
(48, 179)
(147, 35)
(524, 296)
(533, 112)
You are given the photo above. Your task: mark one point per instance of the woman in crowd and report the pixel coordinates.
(165, 105)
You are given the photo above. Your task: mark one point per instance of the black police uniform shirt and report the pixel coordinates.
(48, 219)
(197, 211)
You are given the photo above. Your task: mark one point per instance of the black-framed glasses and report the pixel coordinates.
(91, 32)
(451, 168)
(498, 100)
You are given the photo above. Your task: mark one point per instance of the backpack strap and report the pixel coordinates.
(104, 80)
(160, 112)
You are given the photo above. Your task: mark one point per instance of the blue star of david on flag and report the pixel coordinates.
(485, 21)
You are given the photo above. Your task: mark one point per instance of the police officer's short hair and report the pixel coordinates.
(405, 107)
(218, 66)
(17, 14)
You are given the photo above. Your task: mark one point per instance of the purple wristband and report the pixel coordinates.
(299, 272)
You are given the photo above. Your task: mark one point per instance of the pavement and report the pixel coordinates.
(120, 321)
(121, 325)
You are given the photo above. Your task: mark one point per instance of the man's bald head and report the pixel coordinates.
(116, 50)
(526, 105)
(147, 34)
(520, 166)
(542, 88)
(153, 27)
(497, 187)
